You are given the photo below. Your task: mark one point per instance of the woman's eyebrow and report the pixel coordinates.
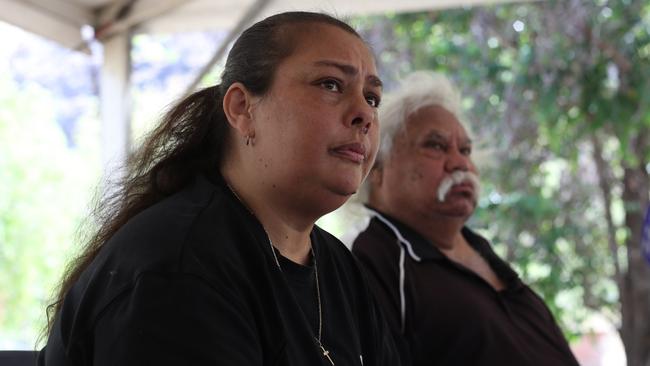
(349, 70)
(345, 68)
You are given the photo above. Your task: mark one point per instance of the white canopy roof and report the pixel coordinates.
(113, 21)
(62, 20)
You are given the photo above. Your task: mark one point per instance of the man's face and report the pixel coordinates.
(429, 172)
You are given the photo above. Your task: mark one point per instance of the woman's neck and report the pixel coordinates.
(288, 230)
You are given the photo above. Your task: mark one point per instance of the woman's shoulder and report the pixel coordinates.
(190, 234)
(197, 224)
(331, 250)
(159, 232)
(331, 244)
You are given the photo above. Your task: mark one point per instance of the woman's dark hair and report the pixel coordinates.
(191, 137)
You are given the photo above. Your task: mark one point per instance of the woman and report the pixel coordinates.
(210, 255)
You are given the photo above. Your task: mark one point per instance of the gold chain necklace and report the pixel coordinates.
(318, 339)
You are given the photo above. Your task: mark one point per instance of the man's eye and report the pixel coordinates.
(467, 151)
(373, 100)
(434, 145)
(331, 85)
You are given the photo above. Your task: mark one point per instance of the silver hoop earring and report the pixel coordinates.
(250, 139)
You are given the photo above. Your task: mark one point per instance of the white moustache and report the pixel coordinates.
(457, 177)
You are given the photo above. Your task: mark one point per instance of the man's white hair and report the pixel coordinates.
(417, 90)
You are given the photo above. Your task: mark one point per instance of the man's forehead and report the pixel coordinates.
(435, 116)
(439, 131)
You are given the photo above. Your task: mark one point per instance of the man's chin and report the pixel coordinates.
(460, 208)
(458, 213)
(454, 198)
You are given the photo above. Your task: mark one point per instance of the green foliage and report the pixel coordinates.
(42, 198)
(541, 80)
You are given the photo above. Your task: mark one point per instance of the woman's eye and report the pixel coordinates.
(373, 101)
(331, 85)
(467, 151)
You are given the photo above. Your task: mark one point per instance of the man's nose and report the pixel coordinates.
(457, 161)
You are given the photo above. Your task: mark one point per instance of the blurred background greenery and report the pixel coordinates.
(557, 94)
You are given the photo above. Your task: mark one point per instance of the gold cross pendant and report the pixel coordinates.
(326, 354)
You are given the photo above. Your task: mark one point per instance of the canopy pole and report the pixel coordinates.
(115, 104)
(251, 13)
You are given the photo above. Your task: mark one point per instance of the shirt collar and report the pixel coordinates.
(427, 251)
(421, 246)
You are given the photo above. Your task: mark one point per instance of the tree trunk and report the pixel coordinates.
(605, 185)
(635, 294)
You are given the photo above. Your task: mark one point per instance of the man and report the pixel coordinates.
(450, 298)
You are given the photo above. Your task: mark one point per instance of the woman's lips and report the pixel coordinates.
(354, 152)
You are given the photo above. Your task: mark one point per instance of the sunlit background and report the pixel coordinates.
(548, 205)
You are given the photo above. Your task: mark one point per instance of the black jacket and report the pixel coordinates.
(192, 281)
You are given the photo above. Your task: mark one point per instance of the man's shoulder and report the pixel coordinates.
(377, 247)
(375, 236)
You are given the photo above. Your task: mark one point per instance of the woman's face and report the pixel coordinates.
(316, 131)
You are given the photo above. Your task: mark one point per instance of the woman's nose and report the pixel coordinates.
(362, 115)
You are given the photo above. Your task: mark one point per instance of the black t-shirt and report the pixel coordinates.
(448, 315)
(302, 282)
(192, 281)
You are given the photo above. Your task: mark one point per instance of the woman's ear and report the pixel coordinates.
(237, 104)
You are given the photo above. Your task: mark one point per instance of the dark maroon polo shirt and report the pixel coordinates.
(452, 315)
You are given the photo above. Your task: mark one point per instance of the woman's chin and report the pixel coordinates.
(330, 194)
(338, 195)
(346, 187)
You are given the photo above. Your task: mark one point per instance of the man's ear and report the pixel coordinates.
(237, 104)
